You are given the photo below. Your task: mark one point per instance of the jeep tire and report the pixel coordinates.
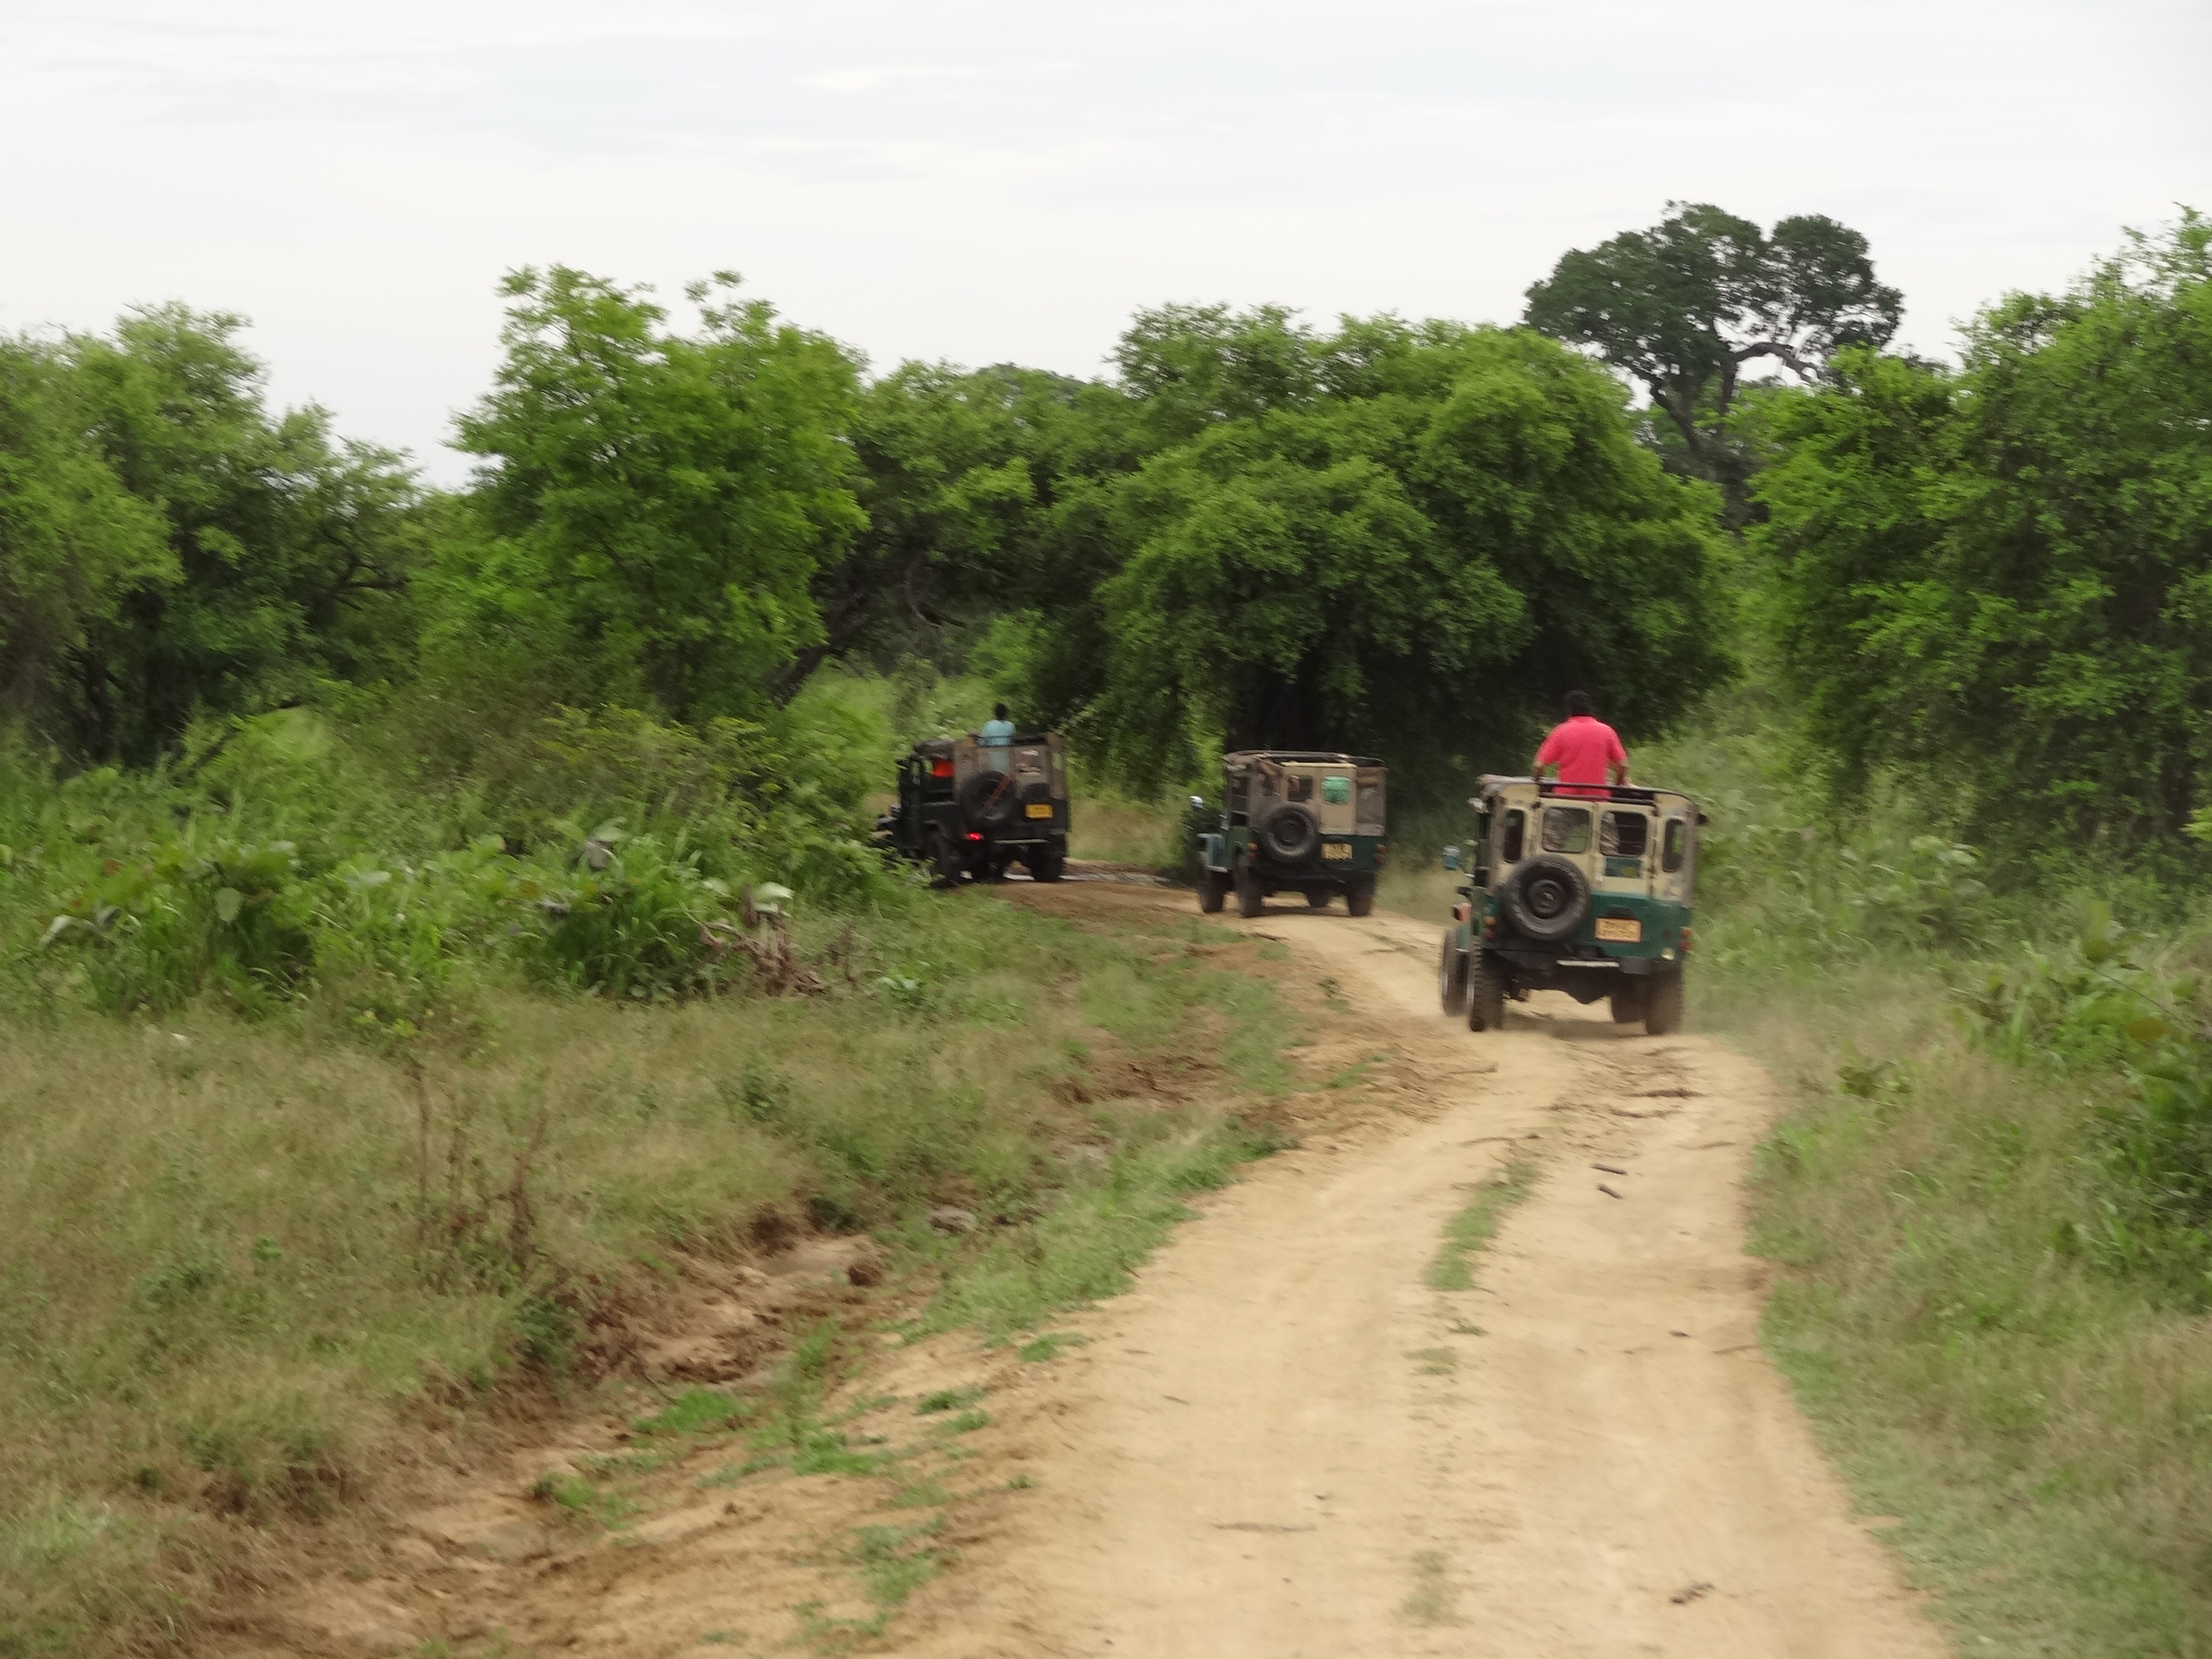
(1359, 897)
(1317, 898)
(987, 800)
(1629, 1001)
(1662, 1003)
(1486, 992)
(1451, 976)
(1290, 834)
(1546, 899)
(1213, 889)
(1045, 863)
(1250, 898)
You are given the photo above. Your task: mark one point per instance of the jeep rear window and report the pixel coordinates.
(1301, 788)
(1508, 841)
(1566, 829)
(1336, 791)
(1624, 834)
(1677, 845)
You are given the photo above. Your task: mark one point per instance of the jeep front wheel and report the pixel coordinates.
(1628, 1002)
(1663, 1005)
(1359, 897)
(1213, 889)
(1485, 993)
(1451, 977)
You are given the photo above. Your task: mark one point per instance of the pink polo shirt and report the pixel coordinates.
(1582, 746)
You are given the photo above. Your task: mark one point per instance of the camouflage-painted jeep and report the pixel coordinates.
(971, 808)
(1581, 887)
(1295, 821)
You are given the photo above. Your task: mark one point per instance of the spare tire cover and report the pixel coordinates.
(1290, 834)
(987, 800)
(1546, 899)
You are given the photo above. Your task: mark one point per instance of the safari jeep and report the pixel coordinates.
(1294, 822)
(1581, 887)
(966, 808)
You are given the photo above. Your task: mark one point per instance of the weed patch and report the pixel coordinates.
(1474, 1226)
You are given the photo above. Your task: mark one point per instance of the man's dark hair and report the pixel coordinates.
(997, 711)
(1579, 702)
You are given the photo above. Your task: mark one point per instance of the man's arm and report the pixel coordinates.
(1619, 762)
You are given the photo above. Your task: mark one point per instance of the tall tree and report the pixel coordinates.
(1684, 306)
(656, 508)
(284, 551)
(2003, 580)
(1396, 536)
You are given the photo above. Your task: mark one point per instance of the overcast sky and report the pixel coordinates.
(993, 181)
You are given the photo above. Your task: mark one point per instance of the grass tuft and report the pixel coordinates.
(1474, 1226)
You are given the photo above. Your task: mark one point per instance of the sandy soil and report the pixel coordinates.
(1282, 1443)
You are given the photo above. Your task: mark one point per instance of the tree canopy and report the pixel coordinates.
(2001, 579)
(1684, 306)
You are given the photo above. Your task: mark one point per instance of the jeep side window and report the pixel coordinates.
(1676, 847)
(1508, 841)
(1301, 788)
(1566, 829)
(1624, 834)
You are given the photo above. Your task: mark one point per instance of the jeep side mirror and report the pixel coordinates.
(1451, 858)
(1198, 803)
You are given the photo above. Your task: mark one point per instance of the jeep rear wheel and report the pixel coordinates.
(1359, 897)
(1451, 976)
(1628, 1002)
(1250, 901)
(1663, 1005)
(1046, 865)
(1485, 993)
(1317, 898)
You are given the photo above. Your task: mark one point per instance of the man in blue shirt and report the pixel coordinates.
(998, 732)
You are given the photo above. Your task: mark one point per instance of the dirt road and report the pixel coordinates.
(1284, 1445)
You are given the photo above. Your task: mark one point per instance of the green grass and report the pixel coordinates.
(248, 1259)
(1473, 1226)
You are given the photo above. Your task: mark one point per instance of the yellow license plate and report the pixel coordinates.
(1336, 850)
(1039, 809)
(1621, 930)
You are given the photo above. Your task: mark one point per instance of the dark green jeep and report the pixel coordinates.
(1581, 887)
(1294, 821)
(971, 808)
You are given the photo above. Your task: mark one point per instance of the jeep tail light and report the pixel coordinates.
(1686, 941)
(940, 769)
(1489, 928)
(974, 834)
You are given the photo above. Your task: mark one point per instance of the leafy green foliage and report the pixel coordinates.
(176, 548)
(1995, 581)
(1390, 538)
(657, 507)
(1685, 306)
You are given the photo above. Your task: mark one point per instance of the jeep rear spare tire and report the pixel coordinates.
(1290, 834)
(987, 800)
(1546, 899)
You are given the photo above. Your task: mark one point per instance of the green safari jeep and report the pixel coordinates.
(1295, 821)
(1581, 887)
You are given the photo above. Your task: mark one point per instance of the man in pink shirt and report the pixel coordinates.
(1584, 748)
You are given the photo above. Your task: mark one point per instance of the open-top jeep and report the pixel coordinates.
(972, 808)
(1296, 822)
(1581, 887)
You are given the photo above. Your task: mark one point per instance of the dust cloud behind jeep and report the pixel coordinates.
(972, 809)
(1295, 821)
(1581, 887)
